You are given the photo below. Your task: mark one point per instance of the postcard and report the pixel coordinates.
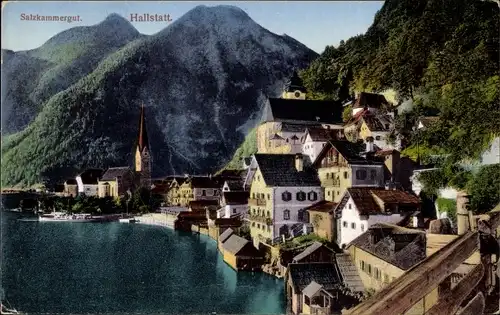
(250, 157)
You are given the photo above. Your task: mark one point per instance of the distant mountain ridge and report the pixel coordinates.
(203, 80)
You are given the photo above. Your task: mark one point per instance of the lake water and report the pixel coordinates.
(55, 267)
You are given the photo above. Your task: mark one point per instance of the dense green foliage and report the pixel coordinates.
(484, 188)
(246, 149)
(443, 56)
(449, 206)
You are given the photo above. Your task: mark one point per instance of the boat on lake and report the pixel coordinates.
(66, 217)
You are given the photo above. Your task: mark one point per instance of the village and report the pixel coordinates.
(332, 207)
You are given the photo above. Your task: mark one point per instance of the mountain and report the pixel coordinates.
(203, 80)
(34, 76)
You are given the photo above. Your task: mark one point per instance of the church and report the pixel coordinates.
(116, 181)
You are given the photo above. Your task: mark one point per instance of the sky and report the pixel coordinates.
(315, 24)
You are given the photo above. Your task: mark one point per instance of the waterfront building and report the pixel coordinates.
(321, 217)
(87, 182)
(286, 119)
(116, 181)
(174, 195)
(281, 187)
(70, 188)
(223, 237)
(143, 157)
(203, 205)
(340, 166)
(199, 188)
(320, 288)
(363, 207)
(234, 204)
(240, 254)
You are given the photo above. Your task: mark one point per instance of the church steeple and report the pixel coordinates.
(294, 88)
(143, 159)
(143, 133)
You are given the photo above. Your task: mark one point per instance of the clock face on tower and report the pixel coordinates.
(297, 94)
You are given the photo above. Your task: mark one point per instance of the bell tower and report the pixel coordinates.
(143, 159)
(294, 88)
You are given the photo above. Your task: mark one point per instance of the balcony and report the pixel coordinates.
(331, 182)
(261, 219)
(257, 202)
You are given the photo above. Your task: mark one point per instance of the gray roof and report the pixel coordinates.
(349, 272)
(312, 289)
(280, 109)
(225, 235)
(234, 244)
(309, 250)
(325, 274)
(113, 172)
(279, 170)
(399, 246)
(235, 185)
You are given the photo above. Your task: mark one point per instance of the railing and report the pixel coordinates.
(331, 182)
(319, 310)
(256, 202)
(261, 219)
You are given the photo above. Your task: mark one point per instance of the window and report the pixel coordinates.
(258, 177)
(386, 126)
(373, 174)
(286, 196)
(312, 196)
(286, 214)
(376, 273)
(268, 214)
(362, 228)
(362, 265)
(386, 278)
(346, 175)
(329, 193)
(361, 174)
(377, 138)
(269, 229)
(253, 195)
(327, 175)
(349, 206)
(234, 211)
(369, 269)
(268, 196)
(353, 226)
(338, 192)
(286, 140)
(301, 196)
(345, 224)
(253, 224)
(258, 225)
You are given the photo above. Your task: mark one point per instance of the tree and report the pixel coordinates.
(484, 189)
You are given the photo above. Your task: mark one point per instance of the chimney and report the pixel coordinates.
(299, 162)
(369, 144)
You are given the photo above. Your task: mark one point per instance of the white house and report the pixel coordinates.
(315, 139)
(281, 187)
(234, 204)
(363, 207)
(87, 182)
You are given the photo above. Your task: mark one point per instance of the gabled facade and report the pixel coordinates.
(340, 166)
(70, 188)
(281, 187)
(173, 194)
(88, 182)
(116, 181)
(360, 208)
(315, 139)
(143, 158)
(199, 188)
(234, 204)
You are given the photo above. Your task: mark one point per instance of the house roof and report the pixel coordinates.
(322, 206)
(296, 127)
(236, 197)
(363, 198)
(91, 176)
(234, 222)
(373, 100)
(280, 109)
(235, 185)
(377, 122)
(427, 121)
(279, 170)
(308, 251)
(325, 274)
(225, 235)
(201, 204)
(399, 246)
(349, 150)
(312, 289)
(70, 181)
(205, 182)
(230, 174)
(234, 244)
(113, 172)
(349, 272)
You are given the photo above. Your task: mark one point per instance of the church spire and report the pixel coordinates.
(143, 134)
